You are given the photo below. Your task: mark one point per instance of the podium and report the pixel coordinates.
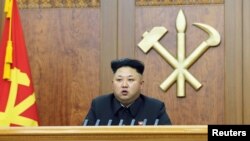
(105, 133)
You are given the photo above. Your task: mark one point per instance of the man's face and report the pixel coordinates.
(127, 84)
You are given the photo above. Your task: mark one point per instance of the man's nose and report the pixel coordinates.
(124, 83)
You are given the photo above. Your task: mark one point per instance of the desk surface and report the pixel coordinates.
(101, 133)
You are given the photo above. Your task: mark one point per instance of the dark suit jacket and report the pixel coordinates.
(107, 108)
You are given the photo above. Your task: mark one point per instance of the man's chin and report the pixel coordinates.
(124, 100)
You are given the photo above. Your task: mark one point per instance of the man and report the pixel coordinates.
(126, 105)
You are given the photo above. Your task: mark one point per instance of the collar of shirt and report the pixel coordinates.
(133, 108)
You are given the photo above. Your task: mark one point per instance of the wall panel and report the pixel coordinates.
(246, 64)
(64, 52)
(109, 43)
(233, 62)
(126, 28)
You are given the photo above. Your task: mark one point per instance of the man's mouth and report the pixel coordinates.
(124, 92)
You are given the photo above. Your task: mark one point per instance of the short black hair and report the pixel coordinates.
(127, 62)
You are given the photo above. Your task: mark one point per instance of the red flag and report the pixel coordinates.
(17, 96)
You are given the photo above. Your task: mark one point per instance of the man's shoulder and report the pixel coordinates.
(151, 100)
(104, 98)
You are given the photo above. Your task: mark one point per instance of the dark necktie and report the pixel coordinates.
(126, 116)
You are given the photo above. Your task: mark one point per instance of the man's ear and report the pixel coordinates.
(142, 82)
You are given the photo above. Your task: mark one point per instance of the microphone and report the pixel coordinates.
(109, 122)
(121, 122)
(156, 122)
(85, 122)
(144, 122)
(97, 122)
(132, 122)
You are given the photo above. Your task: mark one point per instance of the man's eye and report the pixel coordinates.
(131, 80)
(118, 80)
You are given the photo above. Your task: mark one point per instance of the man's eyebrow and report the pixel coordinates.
(125, 76)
